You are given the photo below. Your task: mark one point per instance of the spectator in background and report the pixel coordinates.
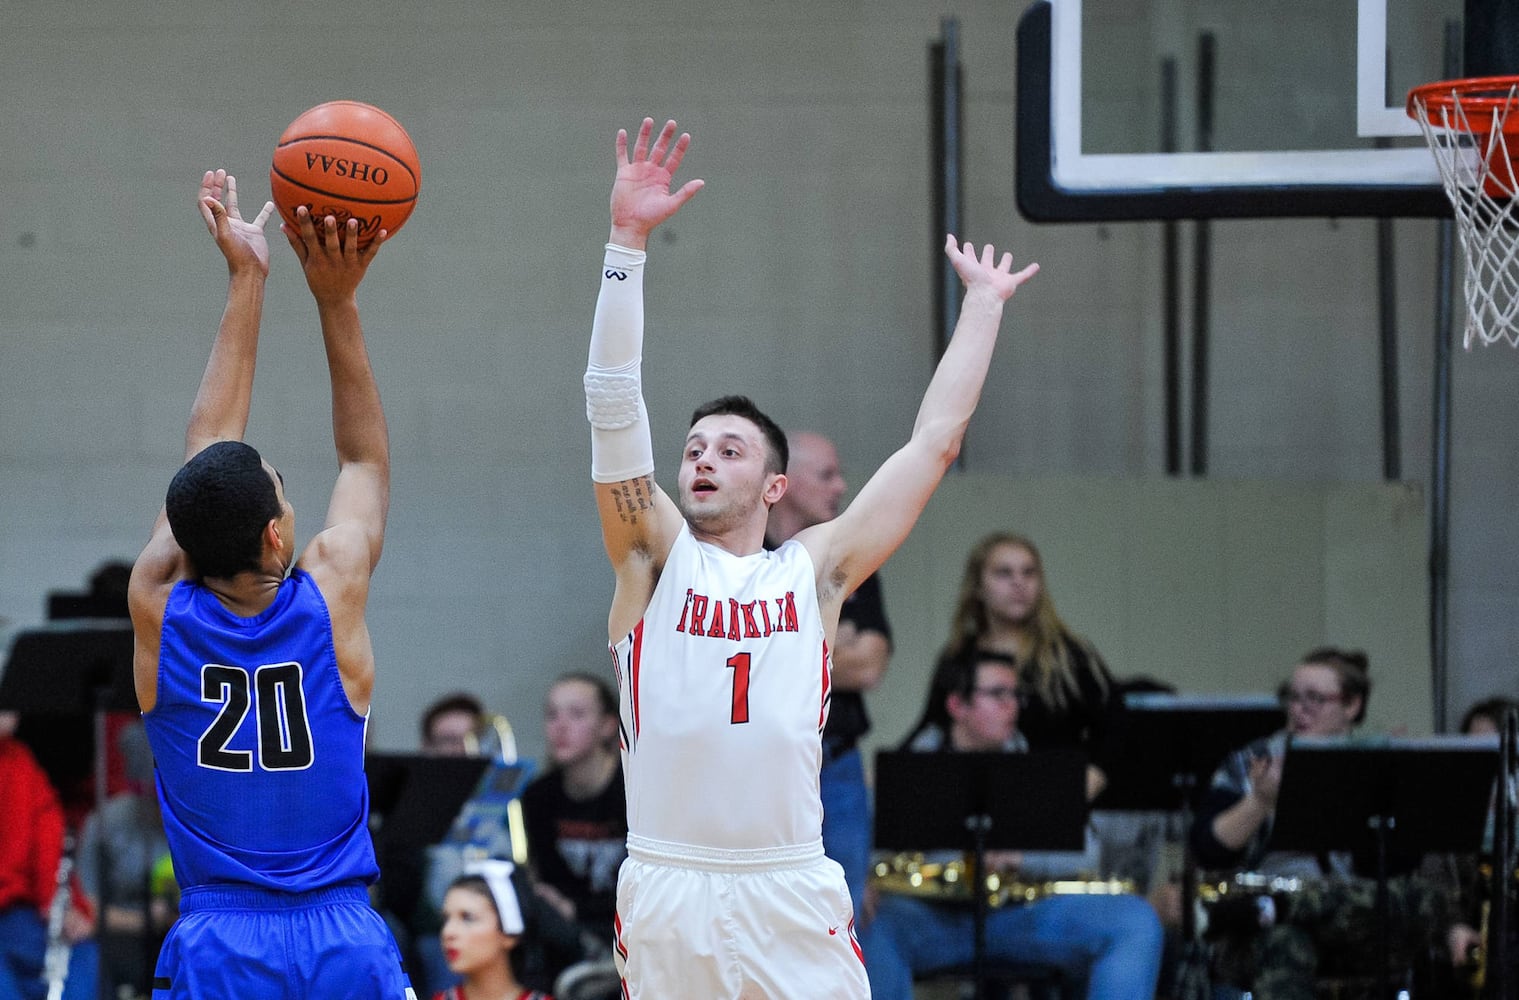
(576, 813)
(860, 653)
(1485, 718)
(451, 724)
(31, 850)
(485, 930)
(1005, 607)
(412, 881)
(1107, 944)
(1328, 920)
(121, 847)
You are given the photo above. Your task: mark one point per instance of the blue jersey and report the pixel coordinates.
(260, 757)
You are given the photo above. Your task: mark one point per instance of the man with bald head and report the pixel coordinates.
(861, 652)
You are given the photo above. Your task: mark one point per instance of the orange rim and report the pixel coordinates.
(1482, 99)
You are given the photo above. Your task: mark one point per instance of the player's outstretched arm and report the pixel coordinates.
(855, 544)
(638, 521)
(220, 410)
(334, 266)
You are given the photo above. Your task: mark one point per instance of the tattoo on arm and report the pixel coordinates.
(634, 497)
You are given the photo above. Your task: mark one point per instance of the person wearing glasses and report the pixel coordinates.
(1105, 946)
(1315, 915)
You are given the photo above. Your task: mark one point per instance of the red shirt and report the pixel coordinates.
(33, 825)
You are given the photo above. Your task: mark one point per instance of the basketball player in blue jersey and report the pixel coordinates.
(253, 669)
(721, 647)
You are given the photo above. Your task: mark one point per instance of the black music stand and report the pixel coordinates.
(978, 802)
(77, 670)
(1167, 748)
(1168, 745)
(1403, 797)
(416, 797)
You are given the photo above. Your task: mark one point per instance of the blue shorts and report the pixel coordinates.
(232, 942)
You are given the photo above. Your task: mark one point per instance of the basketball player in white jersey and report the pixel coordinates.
(721, 646)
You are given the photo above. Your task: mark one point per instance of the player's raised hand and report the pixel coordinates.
(330, 254)
(641, 194)
(985, 271)
(242, 243)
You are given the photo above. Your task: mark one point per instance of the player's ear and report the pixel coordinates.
(272, 537)
(775, 488)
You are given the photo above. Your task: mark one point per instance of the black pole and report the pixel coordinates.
(1383, 824)
(1387, 321)
(1500, 957)
(1387, 311)
(948, 198)
(1439, 475)
(1171, 280)
(979, 825)
(1203, 255)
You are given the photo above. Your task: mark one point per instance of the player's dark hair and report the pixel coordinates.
(1353, 668)
(218, 504)
(778, 452)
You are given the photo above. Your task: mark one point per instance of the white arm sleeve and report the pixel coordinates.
(621, 447)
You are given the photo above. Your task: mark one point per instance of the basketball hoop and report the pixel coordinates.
(1473, 129)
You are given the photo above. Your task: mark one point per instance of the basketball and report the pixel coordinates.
(348, 160)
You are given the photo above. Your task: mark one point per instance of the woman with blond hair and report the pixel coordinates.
(1064, 685)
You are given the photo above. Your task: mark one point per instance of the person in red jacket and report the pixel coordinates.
(30, 852)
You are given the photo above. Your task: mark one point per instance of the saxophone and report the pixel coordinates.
(55, 964)
(910, 874)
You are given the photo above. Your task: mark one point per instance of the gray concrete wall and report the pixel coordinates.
(801, 275)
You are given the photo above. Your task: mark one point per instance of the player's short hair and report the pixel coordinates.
(218, 504)
(778, 452)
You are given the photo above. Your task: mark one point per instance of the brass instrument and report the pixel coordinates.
(911, 875)
(1475, 969)
(494, 738)
(1247, 884)
(1220, 891)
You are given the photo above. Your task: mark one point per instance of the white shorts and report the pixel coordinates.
(725, 925)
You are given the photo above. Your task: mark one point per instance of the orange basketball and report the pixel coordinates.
(348, 160)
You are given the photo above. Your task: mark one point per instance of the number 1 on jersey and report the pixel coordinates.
(739, 663)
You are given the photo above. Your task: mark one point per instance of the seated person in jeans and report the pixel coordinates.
(1109, 943)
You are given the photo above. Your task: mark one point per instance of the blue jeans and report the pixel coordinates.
(1110, 943)
(846, 821)
(23, 944)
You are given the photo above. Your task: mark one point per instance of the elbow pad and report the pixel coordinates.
(621, 446)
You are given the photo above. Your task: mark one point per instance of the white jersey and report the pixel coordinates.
(724, 687)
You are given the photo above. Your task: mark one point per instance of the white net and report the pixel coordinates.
(1466, 133)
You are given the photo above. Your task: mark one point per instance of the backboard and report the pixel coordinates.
(1183, 109)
